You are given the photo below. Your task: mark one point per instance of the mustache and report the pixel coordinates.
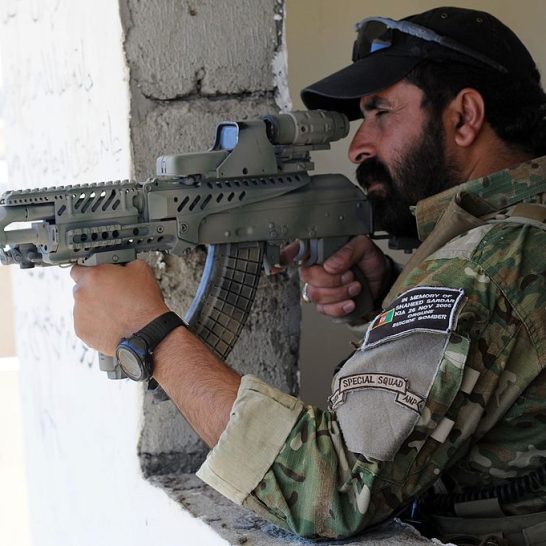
(373, 170)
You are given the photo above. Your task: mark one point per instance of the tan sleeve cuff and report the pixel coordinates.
(261, 420)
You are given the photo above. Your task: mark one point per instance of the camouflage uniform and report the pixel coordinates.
(459, 395)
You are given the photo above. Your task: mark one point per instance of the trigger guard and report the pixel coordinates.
(302, 252)
(313, 253)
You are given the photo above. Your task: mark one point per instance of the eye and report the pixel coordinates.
(381, 113)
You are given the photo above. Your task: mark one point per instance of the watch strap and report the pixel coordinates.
(154, 332)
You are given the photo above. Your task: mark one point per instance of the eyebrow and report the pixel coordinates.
(376, 102)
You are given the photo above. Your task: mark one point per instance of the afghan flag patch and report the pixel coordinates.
(423, 308)
(383, 318)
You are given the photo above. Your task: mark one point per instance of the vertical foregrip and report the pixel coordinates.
(226, 294)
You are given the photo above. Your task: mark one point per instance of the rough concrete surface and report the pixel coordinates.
(240, 526)
(200, 47)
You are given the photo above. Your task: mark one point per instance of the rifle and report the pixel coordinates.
(245, 197)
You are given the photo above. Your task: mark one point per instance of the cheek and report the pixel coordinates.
(398, 136)
(405, 138)
(396, 152)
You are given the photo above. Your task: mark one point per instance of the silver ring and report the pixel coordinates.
(305, 293)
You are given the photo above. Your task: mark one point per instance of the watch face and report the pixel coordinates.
(131, 363)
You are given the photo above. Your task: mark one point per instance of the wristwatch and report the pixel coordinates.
(135, 354)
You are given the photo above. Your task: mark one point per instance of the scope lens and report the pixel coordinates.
(228, 136)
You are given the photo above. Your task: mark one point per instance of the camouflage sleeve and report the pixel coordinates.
(317, 487)
(439, 393)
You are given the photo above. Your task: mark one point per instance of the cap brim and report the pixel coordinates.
(341, 91)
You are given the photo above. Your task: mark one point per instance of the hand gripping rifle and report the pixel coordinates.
(243, 198)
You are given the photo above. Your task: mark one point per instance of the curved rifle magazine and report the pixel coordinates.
(225, 294)
(224, 297)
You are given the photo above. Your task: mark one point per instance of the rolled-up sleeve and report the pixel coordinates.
(261, 420)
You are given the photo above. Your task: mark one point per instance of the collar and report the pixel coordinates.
(491, 193)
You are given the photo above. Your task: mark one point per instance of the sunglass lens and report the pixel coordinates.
(373, 36)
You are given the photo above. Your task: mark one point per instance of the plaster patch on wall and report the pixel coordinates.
(280, 62)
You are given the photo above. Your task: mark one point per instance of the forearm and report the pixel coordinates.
(202, 387)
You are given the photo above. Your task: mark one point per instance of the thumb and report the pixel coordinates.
(287, 256)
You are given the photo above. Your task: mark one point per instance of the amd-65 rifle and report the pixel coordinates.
(244, 198)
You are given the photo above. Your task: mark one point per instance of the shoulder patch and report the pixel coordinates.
(380, 394)
(388, 382)
(420, 309)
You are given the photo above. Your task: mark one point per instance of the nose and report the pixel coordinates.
(362, 146)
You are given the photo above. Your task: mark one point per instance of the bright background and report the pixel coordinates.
(14, 520)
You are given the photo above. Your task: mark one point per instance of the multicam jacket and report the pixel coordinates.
(449, 380)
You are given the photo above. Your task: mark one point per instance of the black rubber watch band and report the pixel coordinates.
(154, 332)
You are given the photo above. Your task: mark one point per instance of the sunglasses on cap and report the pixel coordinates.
(376, 33)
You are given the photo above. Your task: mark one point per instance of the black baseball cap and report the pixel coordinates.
(385, 50)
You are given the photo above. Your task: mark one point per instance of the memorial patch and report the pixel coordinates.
(424, 308)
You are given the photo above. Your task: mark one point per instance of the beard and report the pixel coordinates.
(423, 170)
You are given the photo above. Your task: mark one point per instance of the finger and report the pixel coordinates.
(348, 255)
(289, 252)
(315, 275)
(76, 272)
(323, 296)
(337, 310)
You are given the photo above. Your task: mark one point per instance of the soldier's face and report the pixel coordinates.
(401, 155)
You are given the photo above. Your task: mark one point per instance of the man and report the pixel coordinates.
(447, 388)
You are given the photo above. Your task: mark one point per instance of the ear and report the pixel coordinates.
(465, 117)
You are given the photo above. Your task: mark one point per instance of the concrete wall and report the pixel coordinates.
(7, 338)
(320, 35)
